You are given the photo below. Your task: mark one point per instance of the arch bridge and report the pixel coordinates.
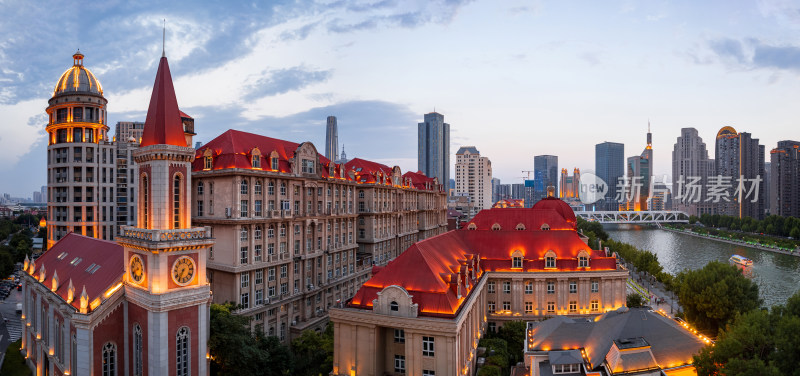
(653, 216)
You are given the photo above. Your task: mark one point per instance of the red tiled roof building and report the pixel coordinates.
(297, 233)
(140, 305)
(425, 310)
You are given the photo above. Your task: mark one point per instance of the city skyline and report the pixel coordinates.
(677, 64)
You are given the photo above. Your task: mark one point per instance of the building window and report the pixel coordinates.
(551, 287)
(551, 307)
(427, 372)
(257, 252)
(137, 350)
(199, 208)
(528, 288)
(550, 262)
(399, 336)
(243, 234)
(573, 306)
(516, 262)
(491, 306)
(595, 305)
(109, 359)
(566, 368)
(257, 233)
(400, 364)
(491, 287)
(275, 163)
(528, 307)
(595, 286)
(243, 255)
(506, 287)
(176, 202)
(74, 352)
(283, 189)
(245, 278)
(243, 187)
(583, 262)
(182, 351)
(427, 346)
(200, 188)
(243, 205)
(573, 287)
(256, 161)
(393, 306)
(507, 306)
(208, 162)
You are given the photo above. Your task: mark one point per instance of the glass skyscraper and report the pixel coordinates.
(609, 165)
(433, 153)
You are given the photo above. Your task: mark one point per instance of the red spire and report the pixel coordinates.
(163, 124)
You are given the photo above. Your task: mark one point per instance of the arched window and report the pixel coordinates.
(273, 158)
(257, 187)
(496, 227)
(145, 202)
(550, 260)
(137, 351)
(256, 160)
(545, 227)
(176, 201)
(520, 226)
(583, 259)
(182, 348)
(243, 234)
(257, 234)
(393, 306)
(472, 226)
(109, 359)
(283, 230)
(243, 187)
(200, 187)
(516, 260)
(271, 231)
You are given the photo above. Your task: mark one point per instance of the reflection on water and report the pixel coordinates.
(777, 275)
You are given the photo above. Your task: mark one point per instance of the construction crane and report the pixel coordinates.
(528, 172)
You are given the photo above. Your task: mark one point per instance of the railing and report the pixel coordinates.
(166, 234)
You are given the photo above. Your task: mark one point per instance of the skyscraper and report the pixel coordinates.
(785, 179)
(332, 139)
(433, 147)
(545, 174)
(80, 164)
(740, 163)
(690, 170)
(640, 173)
(474, 178)
(570, 185)
(609, 165)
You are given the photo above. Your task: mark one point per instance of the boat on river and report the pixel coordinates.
(741, 260)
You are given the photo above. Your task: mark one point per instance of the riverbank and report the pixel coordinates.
(732, 241)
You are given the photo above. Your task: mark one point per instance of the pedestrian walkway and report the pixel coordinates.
(14, 326)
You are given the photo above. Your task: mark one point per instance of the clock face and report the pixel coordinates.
(137, 269)
(183, 270)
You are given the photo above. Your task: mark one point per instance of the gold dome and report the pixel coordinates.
(78, 79)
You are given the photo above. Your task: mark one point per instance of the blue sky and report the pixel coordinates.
(514, 78)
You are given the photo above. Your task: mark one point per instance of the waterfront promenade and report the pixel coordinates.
(734, 241)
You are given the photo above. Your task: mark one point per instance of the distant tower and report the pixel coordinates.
(343, 158)
(331, 139)
(640, 173)
(433, 147)
(80, 163)
(609, 162)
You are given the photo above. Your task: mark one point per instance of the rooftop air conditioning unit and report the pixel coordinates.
(227, 212)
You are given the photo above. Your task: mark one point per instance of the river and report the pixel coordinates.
(777, 275)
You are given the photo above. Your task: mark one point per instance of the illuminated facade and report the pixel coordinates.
(138, 306)
(80, 158)
(570, 186)
(298, 234)
(638, 341)
(424, 312)
(739, 155)
(639, 176)
(474, 179)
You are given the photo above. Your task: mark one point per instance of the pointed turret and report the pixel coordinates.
(163, 124)
(70, 292)
(84, 301)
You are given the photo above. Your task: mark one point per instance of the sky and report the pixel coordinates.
(513, 78)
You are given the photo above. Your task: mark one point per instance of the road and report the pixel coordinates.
(11, 330)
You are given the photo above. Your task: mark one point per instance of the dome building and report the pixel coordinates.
(80, 158)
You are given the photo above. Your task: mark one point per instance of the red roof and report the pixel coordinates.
(552, 203)
(369, 172)
(183, 115)
(95, 264)
(426, 268)
(163, 125)
(419, 180)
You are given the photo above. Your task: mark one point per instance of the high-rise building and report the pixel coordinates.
(299, 234)
(495, 185)
(433, 147)
(691, 168)
(80, 158)
(139, 305)
(640, 174)
(332, 139)
(474, 178)
(609, 165)
(570, 185)
(127, 136)
(545, 174)
(739, 166)
(785, 179)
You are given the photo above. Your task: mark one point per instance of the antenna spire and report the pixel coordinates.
(164, 39)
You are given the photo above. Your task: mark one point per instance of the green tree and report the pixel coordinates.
(315, 350)
(634, 300)
(6, 263)
(513, 332)
(712, 296)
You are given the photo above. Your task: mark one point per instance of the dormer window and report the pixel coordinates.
(520, 227)
(256, 162)
(545, 227)
(516, 260)
(550, 260)
(472, 226)
(393, 306)
(307, 166)
(583, 259)
(207, 162)
(274, 161)
(496, 227)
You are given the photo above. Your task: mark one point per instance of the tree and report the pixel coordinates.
(634, 300)
(712, 296)
(6, 263)
(513, 332)
(693, 219)
(315, 350)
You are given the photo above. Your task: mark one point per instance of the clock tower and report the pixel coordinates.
(168, 295)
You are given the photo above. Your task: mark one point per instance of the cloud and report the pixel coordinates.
(28, 122)
(284, 80)
(754, 54)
